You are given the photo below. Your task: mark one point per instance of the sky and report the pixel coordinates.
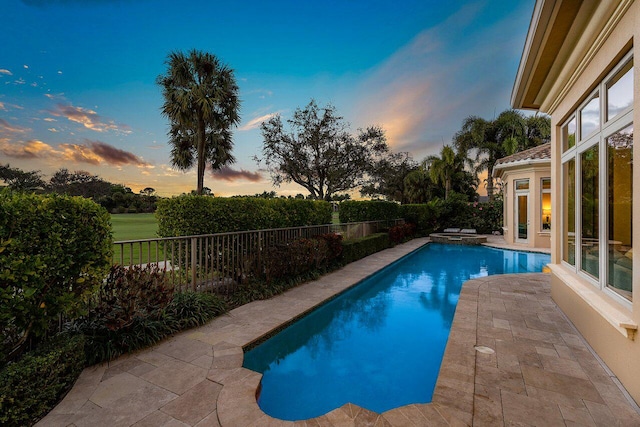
(78, 77)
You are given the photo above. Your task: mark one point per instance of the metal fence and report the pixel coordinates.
(222, 261)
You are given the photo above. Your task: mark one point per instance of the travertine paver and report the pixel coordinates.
(536, 368)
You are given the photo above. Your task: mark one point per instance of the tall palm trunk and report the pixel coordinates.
(201, 156)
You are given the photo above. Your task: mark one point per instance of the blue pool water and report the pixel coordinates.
(380, 344)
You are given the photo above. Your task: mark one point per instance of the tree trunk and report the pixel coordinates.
(202, 162)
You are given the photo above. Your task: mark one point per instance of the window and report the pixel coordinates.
(569, 134)
(597, 184)
(619, 204)
(620, 91)
(545, 199)
(589, 210)
(568, 211)
(590, 117)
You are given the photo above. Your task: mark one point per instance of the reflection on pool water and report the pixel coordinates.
(380, 344)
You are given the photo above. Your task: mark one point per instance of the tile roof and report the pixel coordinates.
(541, 152)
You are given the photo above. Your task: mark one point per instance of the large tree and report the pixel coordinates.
(448, 170)
(20, 180)
(491, 140)
(201, 102)
(318, 152)
(387, 177)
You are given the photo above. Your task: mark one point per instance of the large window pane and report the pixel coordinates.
(620, 91)
(589, 233)
(568, 210)
(569, 134)
(620, 204)
(590, 117)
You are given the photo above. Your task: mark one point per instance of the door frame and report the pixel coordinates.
(516, 216)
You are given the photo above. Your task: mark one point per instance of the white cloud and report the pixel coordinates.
(5, 72)
(257, 121)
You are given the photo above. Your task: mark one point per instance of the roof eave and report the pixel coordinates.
(540, 19)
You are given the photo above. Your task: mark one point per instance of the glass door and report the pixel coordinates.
(522, 211)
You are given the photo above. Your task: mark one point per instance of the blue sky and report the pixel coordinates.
(77, 77)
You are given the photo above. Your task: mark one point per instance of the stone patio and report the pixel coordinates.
(512, 359)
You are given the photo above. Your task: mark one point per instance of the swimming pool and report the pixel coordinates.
(380, 344)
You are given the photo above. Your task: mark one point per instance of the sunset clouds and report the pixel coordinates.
(76, 93)
(89, 152)
(229, 174)
(6, 127)
(88, 118)
(422, 93)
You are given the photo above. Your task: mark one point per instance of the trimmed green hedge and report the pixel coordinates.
(192, 215)
(32, 385)
(54, 252)
(353, 250)
(368, 210)
(424, 216)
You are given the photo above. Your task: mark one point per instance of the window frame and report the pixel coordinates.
(544, 191)
(607, 128)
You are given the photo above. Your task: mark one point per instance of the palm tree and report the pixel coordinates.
(417, 186)
(495, 139)
(201, 102)
(441, 168)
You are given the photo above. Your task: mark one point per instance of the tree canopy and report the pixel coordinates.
(202, 105)
(387, 177)
(318, 152)
(18, 179)
(491, 140)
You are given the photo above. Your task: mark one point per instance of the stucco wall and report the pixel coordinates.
(619, 352)
(537, 238)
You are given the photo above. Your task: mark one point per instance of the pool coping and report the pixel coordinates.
(241, 386)
(452, 401)
(197, 378)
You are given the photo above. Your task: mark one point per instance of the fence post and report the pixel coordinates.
(194, 252)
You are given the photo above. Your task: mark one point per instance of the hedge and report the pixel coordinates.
(368, 210)
(54, 251)
(353, 250)
(192, 215)
(32, 385)
(424, 216)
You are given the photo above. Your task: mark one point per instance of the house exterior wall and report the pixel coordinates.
(605, 320)
(537, 238)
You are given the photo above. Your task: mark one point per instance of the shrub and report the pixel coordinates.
(54, 251)
(456, 211)
(334, 244)
(400, 233)
(424, 216)
(135, 307)
(192, 309)
(368, 210)
(32, 385)
(130, 292)
(192, 215)
(126, 313)
(296, 258)
(354, 250)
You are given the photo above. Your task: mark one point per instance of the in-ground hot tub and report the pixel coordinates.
(456, 236)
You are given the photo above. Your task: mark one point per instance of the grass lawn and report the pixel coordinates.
(134, 227)
(335, 218)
